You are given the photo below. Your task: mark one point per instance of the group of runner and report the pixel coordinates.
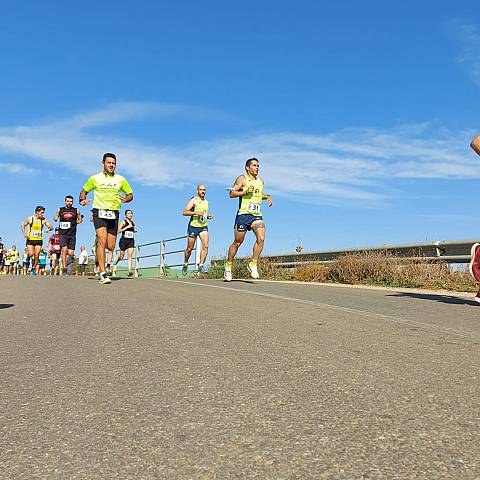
(108, 188)
(111, 190)
(9, 260)
(248, 188)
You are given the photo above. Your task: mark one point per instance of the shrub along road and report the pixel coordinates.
(149, 378)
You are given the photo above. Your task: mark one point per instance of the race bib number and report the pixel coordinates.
(107, 214)
(56, 248)
(36, 234)
(65, 225)
(254, 207)
(203, 217)
(128, 234)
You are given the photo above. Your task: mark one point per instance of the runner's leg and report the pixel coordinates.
(130, 254)
(258, 229)
(203, 254)
(100, 247)
(36, 254)
(64, 259)
(238, 239)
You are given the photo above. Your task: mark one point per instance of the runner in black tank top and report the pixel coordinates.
(69, 217)
(127, 240)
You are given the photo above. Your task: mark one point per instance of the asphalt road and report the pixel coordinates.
(145, 379)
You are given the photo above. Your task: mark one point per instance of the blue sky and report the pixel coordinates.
(361, 114)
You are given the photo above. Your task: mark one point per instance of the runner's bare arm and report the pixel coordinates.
(47, 224)
(57, 215)
(187, 211)
(475, 144)
(24, 224)
(267, 197)
(127, 198)
(79, 217)
(82, 198)
(237, 189)
(122, 226)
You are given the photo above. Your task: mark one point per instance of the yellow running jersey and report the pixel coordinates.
(251, 203)
(200, 206)
(35, 228)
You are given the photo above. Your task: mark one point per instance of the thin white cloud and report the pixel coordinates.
(468, 35)
(352, 165)
(17, 168)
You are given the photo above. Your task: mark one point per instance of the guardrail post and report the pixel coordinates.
(162, 258)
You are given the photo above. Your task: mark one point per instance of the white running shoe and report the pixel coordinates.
(104, 280)
(477, 299)
(252, 268)
(227, 274)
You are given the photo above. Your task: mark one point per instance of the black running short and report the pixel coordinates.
(68, 241)
(35, 243)
(110, 224)
(126, 243)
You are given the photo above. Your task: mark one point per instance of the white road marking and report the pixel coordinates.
(362, 313)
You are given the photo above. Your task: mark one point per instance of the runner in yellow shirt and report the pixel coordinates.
(248, 189)
(35, 224)
(13, 254)
(107, 200)
(197, 210)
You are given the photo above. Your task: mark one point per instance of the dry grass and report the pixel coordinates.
(386, 270)
(367, 268)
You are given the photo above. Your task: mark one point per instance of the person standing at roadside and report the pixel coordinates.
(83, 260)
(107, 186)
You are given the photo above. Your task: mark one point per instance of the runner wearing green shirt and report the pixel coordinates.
(107, 200)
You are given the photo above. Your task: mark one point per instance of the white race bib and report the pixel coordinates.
(254, 207)
(107, 214)
(65, 225)
(128, 234)
(36, 234)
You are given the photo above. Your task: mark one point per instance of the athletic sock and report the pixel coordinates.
(228, 265)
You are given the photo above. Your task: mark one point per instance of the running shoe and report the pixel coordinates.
(201, 269)
(227, 274)
(104, 280)
(252, 268)
(33, 272)
(184, 269)
(130, 274)
(474, 265)
(477, 298)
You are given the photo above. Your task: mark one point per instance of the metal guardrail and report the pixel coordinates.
(449, 251)
(162, 253)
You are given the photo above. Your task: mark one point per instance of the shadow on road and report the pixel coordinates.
(240, 280)
(6, 305)
(113, 279)
(436, 298)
